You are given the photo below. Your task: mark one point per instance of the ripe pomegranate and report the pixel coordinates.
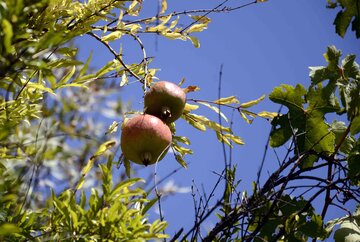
(165, 100)
(145, 139)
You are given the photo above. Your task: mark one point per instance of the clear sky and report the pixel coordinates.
(260, 47)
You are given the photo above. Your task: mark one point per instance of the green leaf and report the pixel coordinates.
(104, 147)
(127, 167)
(305, 124)
(67, 77)
(349, 231)
(281, 131)
(289, 96)
(123, 186)
(149, 205)
(112, 128)
(9, 228)
(182, 139)
(355, 125)
(7, 31)
(40, 87)
(339, 130)
(354, 164)
(348, 14)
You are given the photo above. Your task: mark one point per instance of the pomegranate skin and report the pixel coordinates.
(165, 100)
(145, 139)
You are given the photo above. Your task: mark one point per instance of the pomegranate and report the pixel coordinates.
(165, 100)
(145, 139)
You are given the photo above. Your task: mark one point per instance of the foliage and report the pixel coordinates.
(57, 157)
(282, 209)
(349, 13)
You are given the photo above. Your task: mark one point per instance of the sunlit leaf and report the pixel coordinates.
(112, 36)
(112, 128)
(67, 77)
(7, 30)
(40, 87)
(201, 19)
(227, 100)
(181, 161)
(196, 28)
(191, 89)
(124, 80)
(104, 147)
(215, 109)
(182, 139)
(189, 107)
(268, 115)
(195, 41)
(163, 6)
(252, 103)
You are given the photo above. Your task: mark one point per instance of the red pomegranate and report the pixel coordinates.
(165, 100)
(145, 139)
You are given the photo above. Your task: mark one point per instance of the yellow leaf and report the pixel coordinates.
(174, 22)
(181, 161)
(249, 121)
(217, 127)
(189, 107)
(215, 109)
(165, 19)
(134, 8)
(196, 28)
(266, 114)
(227, 100)
(201, 19)
(222, 138)
(182, 150)
(133, 27)
(159, 28)
(112, 36)
(252, 103)
(194, 122)
(194, 41)
(173, 35)
(182, 139)
(163, 6)
(234, 138)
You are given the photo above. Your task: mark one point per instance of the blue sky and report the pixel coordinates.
(260, 47)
